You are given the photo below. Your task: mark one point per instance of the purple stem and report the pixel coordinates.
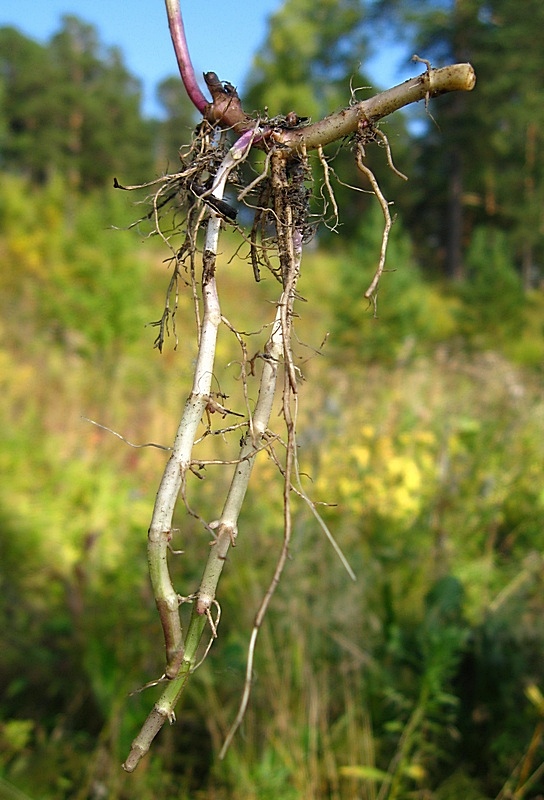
(242, 142)
(177, 32)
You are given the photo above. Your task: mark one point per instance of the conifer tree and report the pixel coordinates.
(70, 107)
(483, 165)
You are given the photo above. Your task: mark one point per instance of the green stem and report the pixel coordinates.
(164, 707)
(226, 531)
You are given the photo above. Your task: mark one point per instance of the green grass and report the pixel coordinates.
(408, 683)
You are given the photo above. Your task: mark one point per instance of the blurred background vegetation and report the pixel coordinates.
(423, 426)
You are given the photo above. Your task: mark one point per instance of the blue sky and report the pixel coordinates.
(139, 29)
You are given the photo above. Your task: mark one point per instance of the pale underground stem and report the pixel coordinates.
(160, 530)
(164, 708)
(179, 660)
(228, 522)
(291, 240)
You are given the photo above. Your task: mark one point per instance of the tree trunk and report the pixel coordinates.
(455, 267)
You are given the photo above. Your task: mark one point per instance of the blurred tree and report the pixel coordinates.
(511, 64)
(493, 309)
(26, 79)
(482, 165)
(71, 107)
(311, 51)
(176, 128)
(310, 63)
